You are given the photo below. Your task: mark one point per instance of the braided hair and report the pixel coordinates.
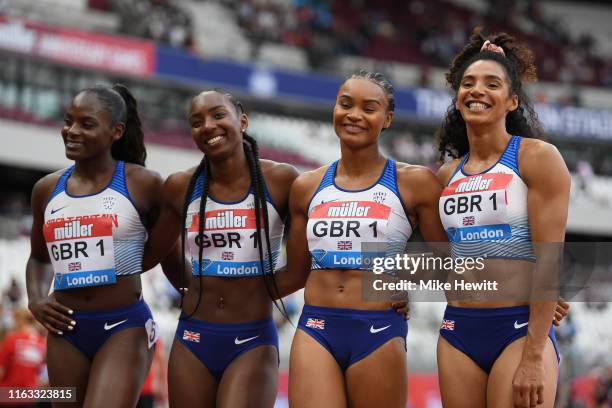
(518, 62)
(251, 152)
(121, 105)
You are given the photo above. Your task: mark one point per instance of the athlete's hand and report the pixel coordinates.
(561, 311)
(54, 316)
(400, 304)
(528, 384)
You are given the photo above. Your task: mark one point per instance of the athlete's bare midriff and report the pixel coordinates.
(124, 292)
(513, 281)
(340, 288)
(228, 300)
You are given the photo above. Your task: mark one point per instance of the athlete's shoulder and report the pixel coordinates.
(179, 181)
(536, 149)
(46, 185)
(419, 182)
(447, 169)
(43, 188)
(310, 179)
(142, 179)
(275, 172)
(141, 173)
(537, 157)
(306, 184)
(413, 173)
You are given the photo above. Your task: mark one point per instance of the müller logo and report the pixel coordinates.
(474, 184)
(73, 229)
(350, 209)
(225, 220)
(481, 182)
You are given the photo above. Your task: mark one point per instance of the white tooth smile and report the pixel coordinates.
(477, 106)
(214, 140)
(353, 128)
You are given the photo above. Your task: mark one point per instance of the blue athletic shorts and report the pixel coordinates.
(92, 329)
(216, 345)
(482, 334)
(351, 335)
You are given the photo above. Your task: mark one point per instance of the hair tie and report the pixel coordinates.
(489, 46)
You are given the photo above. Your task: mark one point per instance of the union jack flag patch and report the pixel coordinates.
(74, 266)
(191, 336)
(315, 323)
(227, 256)
(448, 324)
(470, 220)
(345, 245)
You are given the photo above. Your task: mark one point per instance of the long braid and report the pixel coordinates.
(261, 207)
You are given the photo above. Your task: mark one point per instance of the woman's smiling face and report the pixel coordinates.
(361, 112)
(484, 96)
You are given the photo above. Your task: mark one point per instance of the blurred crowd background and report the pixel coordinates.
(285, 60)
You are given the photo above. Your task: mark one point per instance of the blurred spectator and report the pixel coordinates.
(585, 176)
(603, 388)
(13, 293)
(158, 20)
(22, 353)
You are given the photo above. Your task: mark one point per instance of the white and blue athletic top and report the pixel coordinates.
(485, 214)
(93, 238)
(348, 228)
(229, 239)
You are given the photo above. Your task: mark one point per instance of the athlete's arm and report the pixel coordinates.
(295, 275)
(165, 232)
(145, 187)
(163, 243)
(420, 190)
(548, 181)
(279, 178)
(49, 312)
(422, 193)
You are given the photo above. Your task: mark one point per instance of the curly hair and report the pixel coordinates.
(518, 63)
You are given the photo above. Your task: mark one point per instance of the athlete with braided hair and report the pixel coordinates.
(89, 228)
(231, 210)
(500, 352)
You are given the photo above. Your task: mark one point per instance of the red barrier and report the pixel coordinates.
(78, 48)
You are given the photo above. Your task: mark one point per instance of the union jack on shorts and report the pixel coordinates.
(227, 256)
(448, 324)
(315, 323)
(345, 245)
(468, 220)
(191, 336)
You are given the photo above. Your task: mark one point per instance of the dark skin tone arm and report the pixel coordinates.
(163, 244)
(54, 316)
(295, 275)
(421, 190)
